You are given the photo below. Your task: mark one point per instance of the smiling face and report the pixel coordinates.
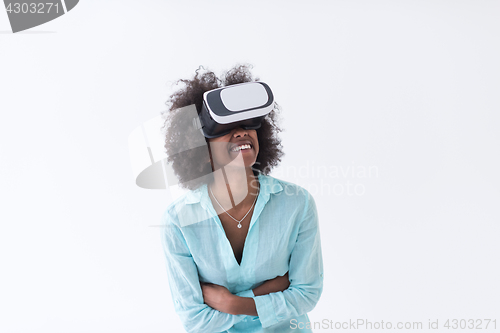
(226, 148)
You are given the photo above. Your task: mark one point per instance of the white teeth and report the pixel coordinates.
(238, 148)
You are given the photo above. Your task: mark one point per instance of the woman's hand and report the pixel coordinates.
(217, 297)
(279, 283)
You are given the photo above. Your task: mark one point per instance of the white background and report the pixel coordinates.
(410, 87)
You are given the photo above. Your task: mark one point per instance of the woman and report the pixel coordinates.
(242, 248)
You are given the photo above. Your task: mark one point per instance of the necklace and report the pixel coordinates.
(239, 222)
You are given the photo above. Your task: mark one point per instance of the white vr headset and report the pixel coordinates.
(244, 104)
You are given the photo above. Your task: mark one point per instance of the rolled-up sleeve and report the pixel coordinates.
(305, 274)
(196, 316)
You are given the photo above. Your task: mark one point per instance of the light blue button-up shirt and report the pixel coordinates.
(283, 236)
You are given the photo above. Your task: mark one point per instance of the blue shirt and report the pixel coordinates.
(283, 236)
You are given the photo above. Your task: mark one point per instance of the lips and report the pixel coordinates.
(245, 144)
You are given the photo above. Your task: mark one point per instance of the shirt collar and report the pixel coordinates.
(268, 185)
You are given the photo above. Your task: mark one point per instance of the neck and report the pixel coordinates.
(235, 188)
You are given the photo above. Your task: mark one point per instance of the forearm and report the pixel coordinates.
(279, 283)
(264, 289)
(246, 305)
(243, 306)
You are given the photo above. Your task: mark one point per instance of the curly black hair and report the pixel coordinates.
(193, 167)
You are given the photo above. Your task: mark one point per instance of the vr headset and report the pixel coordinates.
(244, 104)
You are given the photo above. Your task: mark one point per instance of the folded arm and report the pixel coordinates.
(279, 299)
(219, 298)
(196, 316)
(305, 274)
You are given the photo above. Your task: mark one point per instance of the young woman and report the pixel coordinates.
(242, 248)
